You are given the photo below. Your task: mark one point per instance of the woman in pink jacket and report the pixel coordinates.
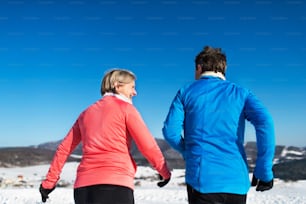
(106, 129)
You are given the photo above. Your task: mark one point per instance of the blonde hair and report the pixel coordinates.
(121, 76)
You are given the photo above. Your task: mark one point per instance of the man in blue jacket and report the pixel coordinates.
(212, 112)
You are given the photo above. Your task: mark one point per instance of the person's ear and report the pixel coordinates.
(198, 68)
(115, 86)
(198, 71)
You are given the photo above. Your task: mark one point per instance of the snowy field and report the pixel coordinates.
(20, 186)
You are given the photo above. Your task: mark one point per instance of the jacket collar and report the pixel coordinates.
(119, 96)
(213, 74)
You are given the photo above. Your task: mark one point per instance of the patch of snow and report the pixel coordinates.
(146, 190)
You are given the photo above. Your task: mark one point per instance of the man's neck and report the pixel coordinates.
(214, 74)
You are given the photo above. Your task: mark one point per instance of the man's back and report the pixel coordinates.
(212, 112)
(215, 159)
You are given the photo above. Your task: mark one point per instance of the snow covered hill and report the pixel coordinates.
(290, 162)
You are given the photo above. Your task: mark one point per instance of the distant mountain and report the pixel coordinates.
(174, 159)
(282, 153)
(25, 156)
(289, 161)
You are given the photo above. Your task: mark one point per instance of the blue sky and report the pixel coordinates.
(55, 52)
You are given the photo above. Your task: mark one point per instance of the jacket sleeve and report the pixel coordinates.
(145, 142)
(173, 125)
(258, 115)
(63, 151)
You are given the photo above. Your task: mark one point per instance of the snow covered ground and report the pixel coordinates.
(20, 186)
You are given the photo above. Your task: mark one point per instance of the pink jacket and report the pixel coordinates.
(106, 130)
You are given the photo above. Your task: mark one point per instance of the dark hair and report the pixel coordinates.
(211, 59)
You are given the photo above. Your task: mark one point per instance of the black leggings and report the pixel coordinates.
(195, 197)
(103, 194)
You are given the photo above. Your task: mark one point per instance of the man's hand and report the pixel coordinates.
(44, 193)
(163, 182)
(261, 185)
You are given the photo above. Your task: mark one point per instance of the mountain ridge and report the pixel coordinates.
(289, 161)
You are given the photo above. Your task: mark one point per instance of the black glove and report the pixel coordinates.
(261, 185)
(163, 182)
(44, 193)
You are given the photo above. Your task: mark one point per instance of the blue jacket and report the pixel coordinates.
(211, 114)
